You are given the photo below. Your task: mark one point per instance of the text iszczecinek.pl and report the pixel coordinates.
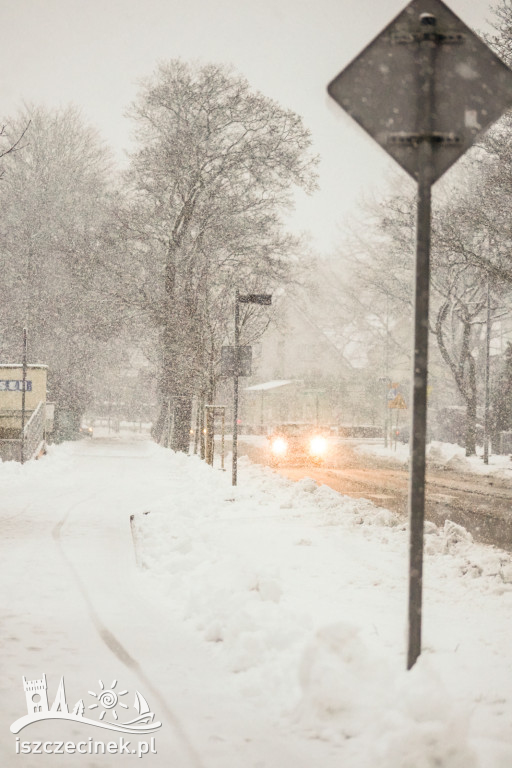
(89, 747)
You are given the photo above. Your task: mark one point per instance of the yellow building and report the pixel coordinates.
(11, 403)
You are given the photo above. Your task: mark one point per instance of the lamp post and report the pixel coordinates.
(250, 298)
(487, 366)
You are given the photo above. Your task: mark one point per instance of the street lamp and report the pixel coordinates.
(23, 395)
(250, 298)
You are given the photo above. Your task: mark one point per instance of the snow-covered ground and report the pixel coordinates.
(447, 455)
(264, 623)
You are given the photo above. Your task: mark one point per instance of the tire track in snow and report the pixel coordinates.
(30, 507)
(115, 646)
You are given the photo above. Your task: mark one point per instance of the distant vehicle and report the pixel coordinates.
(298, 442)
(85, 431)
(402, 434)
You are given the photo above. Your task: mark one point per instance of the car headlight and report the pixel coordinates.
(318, 445)
(279, 446)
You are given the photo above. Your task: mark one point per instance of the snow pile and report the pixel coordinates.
(453, 456)
(468, 559)
(422, 729)
(407, 719)
(447, 455)
(301, 594)
(16, 474)
(396, 452)
(442, 453)
(343, 684)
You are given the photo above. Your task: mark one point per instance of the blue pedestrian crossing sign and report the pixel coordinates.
(395, 398)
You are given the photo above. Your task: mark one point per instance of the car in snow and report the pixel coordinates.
(297, 442)
(402, 434)
(85, 430)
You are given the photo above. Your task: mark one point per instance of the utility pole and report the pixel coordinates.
(23, 395)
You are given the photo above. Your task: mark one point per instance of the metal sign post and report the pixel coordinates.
(423, 89)
(223, 440)
(210, 411)
(426, 106)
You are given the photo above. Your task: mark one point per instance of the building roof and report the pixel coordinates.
(269, 385)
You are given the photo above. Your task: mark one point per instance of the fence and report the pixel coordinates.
(34, 432)
(33, 441)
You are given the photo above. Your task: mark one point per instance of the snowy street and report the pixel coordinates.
(463, 490)
(265, 625)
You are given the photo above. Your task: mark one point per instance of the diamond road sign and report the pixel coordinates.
(381, 89)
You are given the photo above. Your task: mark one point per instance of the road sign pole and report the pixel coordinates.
(235, 393)
(389, 90)
(427, 53)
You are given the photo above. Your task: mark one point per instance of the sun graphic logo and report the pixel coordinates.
(108, 699)
(107, 702)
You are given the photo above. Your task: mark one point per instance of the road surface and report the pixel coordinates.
(482, 504)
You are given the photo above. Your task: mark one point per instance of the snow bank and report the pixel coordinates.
(297, 597)
(15, 473)
(421, 727)
(447, 455)
(398, 452)
(301, 594)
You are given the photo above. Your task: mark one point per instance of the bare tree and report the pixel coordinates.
(380, 279)
(501, 38)
(53, 208)
(472, 243)
(208, 185)
(11, 144)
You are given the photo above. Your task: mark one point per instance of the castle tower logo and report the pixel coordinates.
(36, 694)
(108, 704)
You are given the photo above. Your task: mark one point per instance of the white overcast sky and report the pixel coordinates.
(92, 53)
